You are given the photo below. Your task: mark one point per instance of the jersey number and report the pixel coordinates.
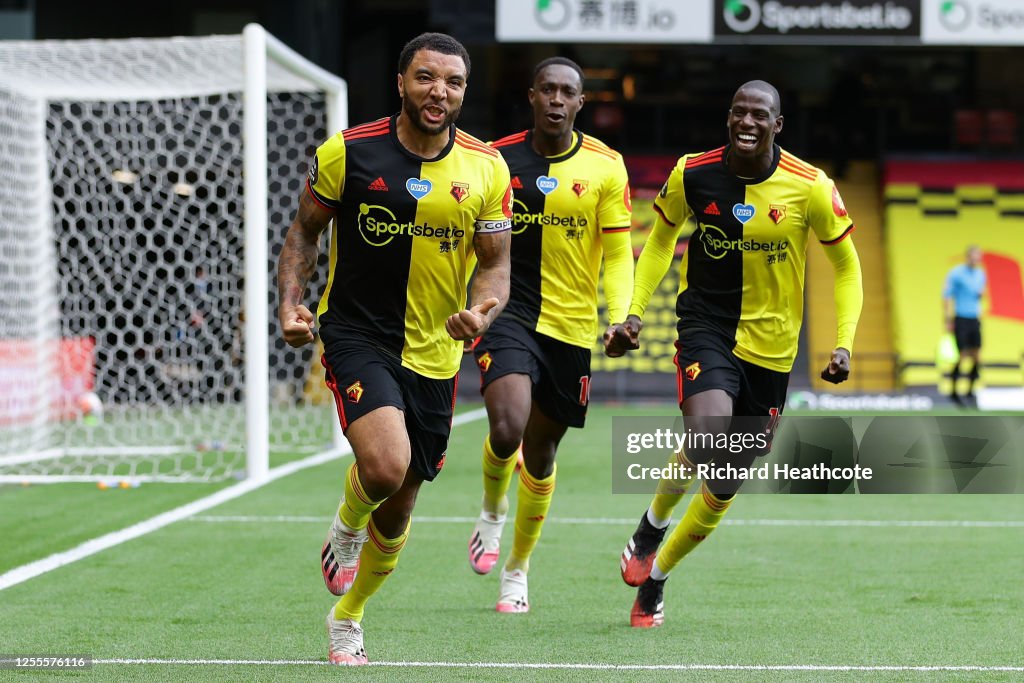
(584, 390)
(773, 422)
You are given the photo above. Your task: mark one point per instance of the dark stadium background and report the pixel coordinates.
(844, 104)
(880, 99)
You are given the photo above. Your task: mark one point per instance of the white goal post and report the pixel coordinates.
(145, 189)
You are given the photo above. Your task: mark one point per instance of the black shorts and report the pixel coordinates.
(704, 360)
(967, 332)
(560, 372)
(364, 378)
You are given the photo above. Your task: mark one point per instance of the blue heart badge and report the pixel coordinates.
(418, 188)
(546, 185)
(743, 212)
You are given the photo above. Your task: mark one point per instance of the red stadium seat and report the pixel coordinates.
(968, 127)
(1002, 128)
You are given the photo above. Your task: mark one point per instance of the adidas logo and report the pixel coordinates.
(517, 184)
(712, 210)
(379, 185)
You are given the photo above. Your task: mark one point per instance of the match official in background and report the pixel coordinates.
(571, 213)
(740, 307)
(965, 285)
(411, 197)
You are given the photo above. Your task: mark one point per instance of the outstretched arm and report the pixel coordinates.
(490, 286)
(653, 263)
(651, 267)
(849, 298)
(296, 265)
(618, 284)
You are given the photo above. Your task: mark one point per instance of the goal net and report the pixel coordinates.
(145, 190)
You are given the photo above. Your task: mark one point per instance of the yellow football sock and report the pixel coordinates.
(701, 518)
(355, 509)
(531, 509)
(671, 491)
(376, 562)
(497, 477)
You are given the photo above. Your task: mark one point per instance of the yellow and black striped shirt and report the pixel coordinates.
(743, 271)
(569, 212)
(402, 238)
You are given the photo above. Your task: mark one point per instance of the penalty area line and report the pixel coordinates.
(47, 564)
(574, 665)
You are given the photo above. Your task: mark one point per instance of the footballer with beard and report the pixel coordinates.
(411, 198)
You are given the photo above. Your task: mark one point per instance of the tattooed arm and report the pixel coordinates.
(295, 267)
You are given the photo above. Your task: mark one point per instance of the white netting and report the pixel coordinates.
(28, 310)
(126, 272)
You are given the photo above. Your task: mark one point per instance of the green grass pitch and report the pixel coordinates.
(214, 588)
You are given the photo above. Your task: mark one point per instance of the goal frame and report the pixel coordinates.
(260, 48)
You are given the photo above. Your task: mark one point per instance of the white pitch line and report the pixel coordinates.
(573, 665)
(114, 538)
(629, 521)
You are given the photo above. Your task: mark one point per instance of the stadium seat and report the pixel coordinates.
(968, 127)
(1001, 125)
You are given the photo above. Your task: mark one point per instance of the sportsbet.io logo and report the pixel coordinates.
(518, 210)
(742, 16)
(523, 218)
(954, 15)
(378, 226)
(552, 14)
(717, 245)
(959, 15)
(770, 17)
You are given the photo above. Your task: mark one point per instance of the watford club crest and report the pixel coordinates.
(354, 391)
(777, 212)
(580, 187)
(837, 203)
(460, 191)
(484, 362)
(692, 371)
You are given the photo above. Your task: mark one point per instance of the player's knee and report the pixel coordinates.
(704, 430)
(381, 475)
(506, 435)
(700, 456)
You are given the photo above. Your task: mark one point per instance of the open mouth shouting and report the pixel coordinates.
(434, 114)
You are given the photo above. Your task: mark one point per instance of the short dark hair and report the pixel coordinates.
(435, 42)
(766, 88)
(558, 61)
